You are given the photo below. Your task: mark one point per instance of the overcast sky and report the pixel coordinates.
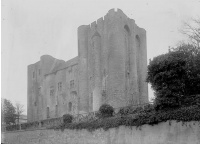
(31, 28)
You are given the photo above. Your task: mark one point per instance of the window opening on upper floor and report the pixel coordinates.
(33, 74)
(127, 29)
(51, 91)
(56, 111)
(70, 69)
(70, 106)
(72, 84)
(39, 91)
(39, 72)
(91, 101)
(60, 86)
(48, 112)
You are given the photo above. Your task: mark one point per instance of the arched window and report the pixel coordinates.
(127, 44)
(137, 41)
(70, 106)
(127, 29)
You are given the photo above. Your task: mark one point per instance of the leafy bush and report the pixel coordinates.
(148, 108)
(175, 76)
(106, 111)
(125, 111)
(67, 118)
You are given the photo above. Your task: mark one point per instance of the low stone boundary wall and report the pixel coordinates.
(164, 133)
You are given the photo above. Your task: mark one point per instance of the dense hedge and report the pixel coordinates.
(146, 116)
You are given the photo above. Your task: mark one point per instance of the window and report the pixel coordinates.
(72, 84)
(56, 111)
(39, 72)
(48, 112)
(39, 91)
(91, 101)
(33, 74)
(60, 86)
(70, 69)
(70, 106)
(51, 92)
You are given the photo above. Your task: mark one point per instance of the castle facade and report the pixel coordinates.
(110, 68)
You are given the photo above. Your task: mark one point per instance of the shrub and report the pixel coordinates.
(138, 110)
(106, 111)
(129, 110)
(149, 108)
(124, 111)
(98, 114)
(67, 118)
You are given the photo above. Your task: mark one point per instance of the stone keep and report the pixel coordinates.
(110, 68)
(112, 62)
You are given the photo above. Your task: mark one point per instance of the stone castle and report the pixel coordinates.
(110, 68)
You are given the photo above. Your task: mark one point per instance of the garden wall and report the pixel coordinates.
(163, 133)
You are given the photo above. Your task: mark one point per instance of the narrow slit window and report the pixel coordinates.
(48, 112)
(39, 72)
(33, 74)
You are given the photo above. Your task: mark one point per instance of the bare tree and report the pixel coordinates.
(19, 110)
(192, 31)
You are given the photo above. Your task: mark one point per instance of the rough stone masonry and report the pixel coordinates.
(110, 68)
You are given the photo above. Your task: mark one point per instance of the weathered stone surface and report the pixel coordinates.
(54, 75)
(110, 68)
(163, 133)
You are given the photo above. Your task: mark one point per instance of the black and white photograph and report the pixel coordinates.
(100, 71)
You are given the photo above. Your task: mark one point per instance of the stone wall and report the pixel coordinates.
(163, 133)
